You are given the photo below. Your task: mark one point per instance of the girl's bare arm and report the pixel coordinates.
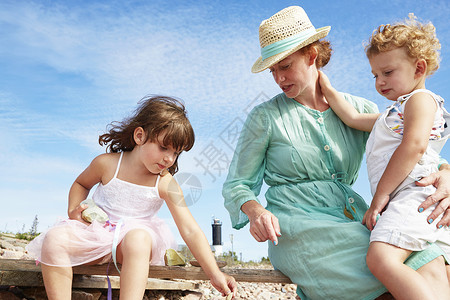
(192, 234)
(83, 184)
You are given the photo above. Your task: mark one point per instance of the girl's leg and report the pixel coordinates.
(436, 273)
(134, 254)
(386, 263)
(57, 282)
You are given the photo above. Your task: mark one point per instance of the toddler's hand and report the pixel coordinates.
(325, 84)
(370, 218)
(225, 284)
(376, 207)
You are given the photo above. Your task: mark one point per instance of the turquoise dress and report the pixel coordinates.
(309, 160)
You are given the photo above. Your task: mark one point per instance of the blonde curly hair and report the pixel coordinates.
(419, 40)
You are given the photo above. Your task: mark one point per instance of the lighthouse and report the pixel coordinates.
(216, 246)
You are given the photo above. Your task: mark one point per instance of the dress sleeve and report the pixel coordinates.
(246, 172)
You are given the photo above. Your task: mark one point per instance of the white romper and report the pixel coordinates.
(401, 224)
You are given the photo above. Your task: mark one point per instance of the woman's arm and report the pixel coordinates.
(192, 234)
(418, 121)
(245, 178)
(246, 171)
(345, 111)
(83, 184)
(263, 224)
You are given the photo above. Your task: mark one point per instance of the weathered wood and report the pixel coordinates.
(25, 278)
(99, 281)
(34, 279)
(161, 272)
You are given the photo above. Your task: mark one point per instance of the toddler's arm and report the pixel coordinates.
(192, 234)
(345, 111)
(418, 122)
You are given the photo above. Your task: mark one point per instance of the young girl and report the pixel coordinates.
(134, 180)
(403, 147)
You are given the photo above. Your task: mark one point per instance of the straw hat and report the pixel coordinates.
(284, 33)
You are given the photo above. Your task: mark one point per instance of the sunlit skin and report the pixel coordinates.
(297, 75)
(395, 73)
(291, 75)
(155, 156)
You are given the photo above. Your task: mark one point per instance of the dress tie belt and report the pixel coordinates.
(336, 178)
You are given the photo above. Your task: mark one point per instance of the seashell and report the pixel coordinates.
(93, 212)
(173, 258)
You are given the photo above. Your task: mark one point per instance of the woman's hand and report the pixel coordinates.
(440, 180)
(263, 224)
(225, 284)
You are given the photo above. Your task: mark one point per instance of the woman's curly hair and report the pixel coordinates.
(419, 40)
(156, 115)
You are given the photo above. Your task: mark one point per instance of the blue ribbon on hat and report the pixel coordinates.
(286, 44)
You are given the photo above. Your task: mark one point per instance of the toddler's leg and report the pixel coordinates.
(134, 255)
(386, 263)
(436, 273)
(447, 267)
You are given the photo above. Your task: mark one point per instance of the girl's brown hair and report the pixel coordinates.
(156, 115)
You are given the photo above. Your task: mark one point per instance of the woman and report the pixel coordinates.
(310, 159)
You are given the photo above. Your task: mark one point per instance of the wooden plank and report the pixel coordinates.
(34, 279)
(100, 282)
(25, 278)
(162, 272)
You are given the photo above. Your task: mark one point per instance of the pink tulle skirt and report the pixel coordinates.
(72, 243)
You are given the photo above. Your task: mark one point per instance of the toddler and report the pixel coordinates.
(403, 147)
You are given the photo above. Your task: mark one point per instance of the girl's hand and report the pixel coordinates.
(440, 180)
(75, 214)
(225, 284)
(263, 224)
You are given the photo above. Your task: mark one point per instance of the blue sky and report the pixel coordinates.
(68, 68)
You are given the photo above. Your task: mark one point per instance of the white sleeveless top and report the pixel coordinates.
(122, 200)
